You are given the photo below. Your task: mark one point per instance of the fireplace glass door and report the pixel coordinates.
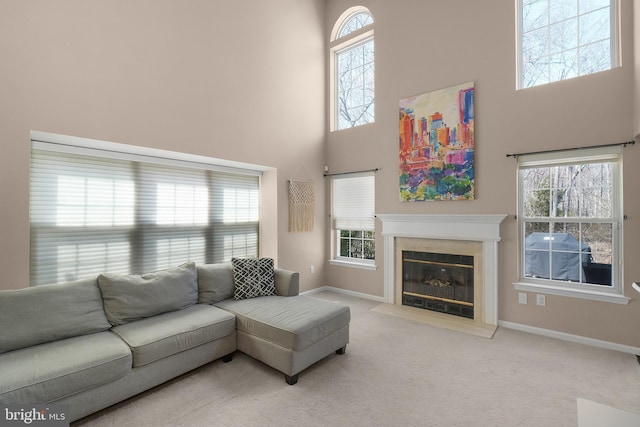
(439, 282)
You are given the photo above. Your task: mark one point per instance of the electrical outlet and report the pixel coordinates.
(541, 300)
(522, 298)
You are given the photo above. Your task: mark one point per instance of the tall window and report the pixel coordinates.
(562, 39)
(353, 199)
(570, 214)
(94, 211)
(352, 64)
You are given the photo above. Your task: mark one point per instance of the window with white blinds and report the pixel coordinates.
(354, 202)
(104, 212)
(353, 199)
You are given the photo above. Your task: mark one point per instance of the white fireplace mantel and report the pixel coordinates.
(483, 228)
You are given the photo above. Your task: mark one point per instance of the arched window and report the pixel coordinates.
(352, 69)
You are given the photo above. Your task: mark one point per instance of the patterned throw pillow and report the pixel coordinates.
(253, 277)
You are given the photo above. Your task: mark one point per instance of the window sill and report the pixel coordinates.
(353, 264)
(572, 293)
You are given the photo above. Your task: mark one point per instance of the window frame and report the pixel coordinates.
(614, 22)
(336, 239)
(613, 293)
(340, 45)
(149, 169)
(361, 262)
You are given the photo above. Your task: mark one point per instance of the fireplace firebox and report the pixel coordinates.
(438, 282)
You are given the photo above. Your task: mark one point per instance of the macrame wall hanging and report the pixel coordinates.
(301, 205)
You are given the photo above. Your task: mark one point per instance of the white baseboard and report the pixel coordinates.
(570, 337)
(509, 325)
(343, 291)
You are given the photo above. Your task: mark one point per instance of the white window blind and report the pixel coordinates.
(99, 213)
(354, 202)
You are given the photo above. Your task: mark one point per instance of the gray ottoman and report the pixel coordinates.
(289, 333)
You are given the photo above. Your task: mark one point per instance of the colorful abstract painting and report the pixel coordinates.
(437, 145)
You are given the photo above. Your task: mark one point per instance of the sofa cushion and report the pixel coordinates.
(170, 333)
(129, 297)
(48, 372)
(46, 313)
(253, 277)
(215, 282)
(291, 322)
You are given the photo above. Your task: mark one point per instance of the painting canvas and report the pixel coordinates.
(437, 145)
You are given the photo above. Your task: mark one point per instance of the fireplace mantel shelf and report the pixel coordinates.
(477, 218)
(484, 228)
(479, 227)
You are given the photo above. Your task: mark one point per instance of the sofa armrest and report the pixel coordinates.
(287, 282)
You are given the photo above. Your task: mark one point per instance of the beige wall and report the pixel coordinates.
(423, 46)
(239, 80)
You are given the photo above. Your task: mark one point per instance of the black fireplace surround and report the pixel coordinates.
(438, 282)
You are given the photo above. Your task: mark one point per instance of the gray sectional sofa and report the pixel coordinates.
(92, 343)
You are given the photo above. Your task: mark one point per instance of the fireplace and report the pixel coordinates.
(438, 281)
(472, 239)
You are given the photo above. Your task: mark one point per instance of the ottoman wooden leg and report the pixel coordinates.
(342, 350)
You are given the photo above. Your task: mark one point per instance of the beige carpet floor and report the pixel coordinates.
(397, 372)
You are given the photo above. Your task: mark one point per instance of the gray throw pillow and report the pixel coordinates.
(253, 277)
(132, 297)
(215, 282)
(46, 313)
